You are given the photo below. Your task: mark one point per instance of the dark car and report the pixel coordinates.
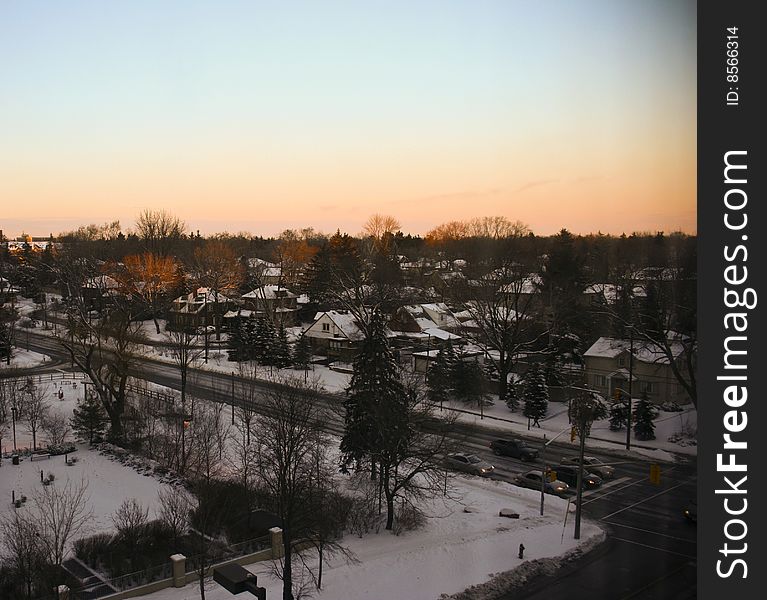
(514, 448)
(569, 474)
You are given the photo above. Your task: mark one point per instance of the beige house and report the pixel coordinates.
(609, 367)
(274, 302)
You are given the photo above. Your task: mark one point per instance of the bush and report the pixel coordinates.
(92, 548)
(408, 518)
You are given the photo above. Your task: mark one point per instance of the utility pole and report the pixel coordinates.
(232, 397)
(579, 480)
(631, 378)
(543, 466)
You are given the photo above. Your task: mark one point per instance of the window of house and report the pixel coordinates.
(621, 361)
(648, 387)
(600, 380)
(326, 327)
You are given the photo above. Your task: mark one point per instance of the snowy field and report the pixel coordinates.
(25, 359)
(109, 482)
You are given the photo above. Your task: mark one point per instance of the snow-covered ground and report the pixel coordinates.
(25, 359)
(455, 549)
(463, 543)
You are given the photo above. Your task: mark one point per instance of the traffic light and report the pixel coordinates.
(573, 433)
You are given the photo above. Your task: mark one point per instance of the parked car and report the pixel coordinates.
(594, 465)
(691, 511)
(469, 463)
(569, 474)
(514, 448)
(532, 480)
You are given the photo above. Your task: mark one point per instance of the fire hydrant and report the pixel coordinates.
(521, 551)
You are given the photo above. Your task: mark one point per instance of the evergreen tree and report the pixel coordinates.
(511, 399)
(536, 395)
(263, 341)
(281, 349)
(237, 348)
(302, 352)
(618, 415)
(5, 342)
(89, 419)
(644, 413)
(375, 399)
(438, 378)
(468, 381)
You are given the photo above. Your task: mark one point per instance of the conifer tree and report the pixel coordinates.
(438, 378)
(512, 399)
(644, 413)
(536, 395)
(281, 349)
(618, 415)
(374, 395)
(302, 352)
(89, 419)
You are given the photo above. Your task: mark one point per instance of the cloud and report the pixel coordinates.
(533, 184)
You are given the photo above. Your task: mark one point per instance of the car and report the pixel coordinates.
(532, 480)
(691, 511)
(514, 448)
(569, 474)
(469, 463)
(594, 465)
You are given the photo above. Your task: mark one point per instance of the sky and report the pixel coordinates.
(260, 116)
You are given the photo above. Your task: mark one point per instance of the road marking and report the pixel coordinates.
(671, 537)
(605, 486)
(646, 499)
(620, 489)
(652, 583)
(653, 548)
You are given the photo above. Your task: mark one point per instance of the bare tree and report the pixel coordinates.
(62, 512)
(217, 268)
(175, 508)
(22, 549)
(56, 428)
(130, 520)
(148, 279)
(289, 424)
(159, 230)
(34, 408)
(504, 318)
(105, 349)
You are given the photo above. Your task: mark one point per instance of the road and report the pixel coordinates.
(651, 549)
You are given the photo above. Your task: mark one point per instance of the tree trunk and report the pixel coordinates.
(156, 324)
(287, 571)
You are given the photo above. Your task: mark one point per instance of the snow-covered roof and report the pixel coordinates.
(607, 347)
(528, 285)
(270, 292)
(441, 334)
(259, 262)
(345, 321)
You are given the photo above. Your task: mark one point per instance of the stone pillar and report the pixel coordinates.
(179, 570)
(278, 551)
(62, 592)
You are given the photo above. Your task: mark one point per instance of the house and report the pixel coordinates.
(273, 302)
(99, 291)
(200, 308)
(413, 325)
(335, 333)
(608, 367)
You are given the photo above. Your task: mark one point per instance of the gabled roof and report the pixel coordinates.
(607, 347)
(345, 321)
(270, 292)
